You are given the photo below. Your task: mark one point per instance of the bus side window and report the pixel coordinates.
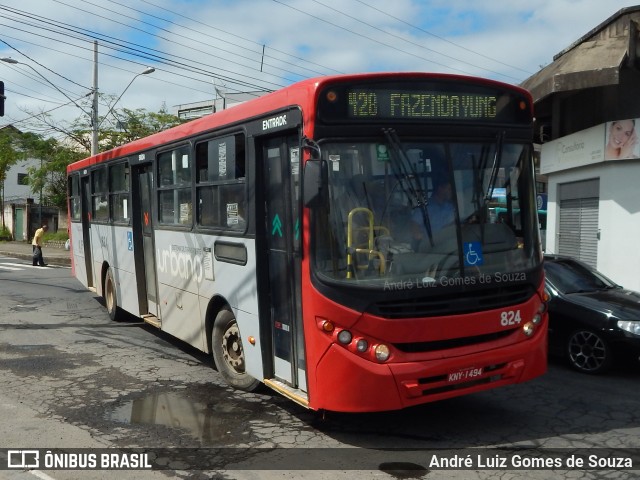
(119, 192)
(99, 193)
(74, 197)
(220, 164)
(174, 188)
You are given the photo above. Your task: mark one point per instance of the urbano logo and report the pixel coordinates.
(181, 262)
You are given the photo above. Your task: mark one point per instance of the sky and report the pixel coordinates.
(203, 48)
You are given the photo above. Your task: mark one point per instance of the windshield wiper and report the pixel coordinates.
(497, 161)
(407, 177)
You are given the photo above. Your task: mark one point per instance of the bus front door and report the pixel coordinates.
(145, 263)
(281, 292)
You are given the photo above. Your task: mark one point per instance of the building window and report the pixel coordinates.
(23, 179)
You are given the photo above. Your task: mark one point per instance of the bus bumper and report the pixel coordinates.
(352, 384)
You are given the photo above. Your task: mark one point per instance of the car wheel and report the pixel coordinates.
(111, 298)
(228, 353)
(589, 352)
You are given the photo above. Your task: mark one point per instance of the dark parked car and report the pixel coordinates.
(592, 320)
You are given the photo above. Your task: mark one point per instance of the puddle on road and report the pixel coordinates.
(218, 421)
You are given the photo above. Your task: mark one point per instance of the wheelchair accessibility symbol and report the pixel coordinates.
(473, 254)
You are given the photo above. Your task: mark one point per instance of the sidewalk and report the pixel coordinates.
(23, 250)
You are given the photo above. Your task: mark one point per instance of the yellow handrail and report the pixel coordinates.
(370, 237)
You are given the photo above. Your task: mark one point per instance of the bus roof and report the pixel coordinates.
(300, 94)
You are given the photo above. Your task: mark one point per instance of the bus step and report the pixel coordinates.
(294, 394)
(152, 320)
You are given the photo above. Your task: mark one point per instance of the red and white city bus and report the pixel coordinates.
(294, 238)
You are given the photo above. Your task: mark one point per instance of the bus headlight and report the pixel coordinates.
(528, 329)
(382, 353)
(362, 345)
(542, 308)
(537, 318)
(344, 337)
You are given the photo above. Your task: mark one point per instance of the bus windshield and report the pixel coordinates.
(421, 212)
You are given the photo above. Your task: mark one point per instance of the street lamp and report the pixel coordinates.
(93, 115)
(13, 61)
(146, 71)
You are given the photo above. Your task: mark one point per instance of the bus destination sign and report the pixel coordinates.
(421, 105)
(425, 101)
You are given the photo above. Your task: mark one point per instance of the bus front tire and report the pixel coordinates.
(229, 354)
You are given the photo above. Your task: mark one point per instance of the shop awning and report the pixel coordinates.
(587, 65)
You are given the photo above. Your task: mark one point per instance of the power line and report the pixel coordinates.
(169, 40)
(199, 32)
(40, 75)
(117, 67)
(443, 39)
(379, 42)
(43, 66)
(41, 113)
(45, 100)
(112, 42)
(408, 41)
(238, 36)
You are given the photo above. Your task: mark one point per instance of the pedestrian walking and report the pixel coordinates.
(36, 245)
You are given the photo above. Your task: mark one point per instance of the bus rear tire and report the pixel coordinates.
(229, 354)
(111, 297)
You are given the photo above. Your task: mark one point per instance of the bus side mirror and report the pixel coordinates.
(314, 183)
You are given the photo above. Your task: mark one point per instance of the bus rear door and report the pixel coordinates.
(142, 184)
(85, 205)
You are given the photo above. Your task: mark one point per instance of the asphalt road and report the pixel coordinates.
(71, 379)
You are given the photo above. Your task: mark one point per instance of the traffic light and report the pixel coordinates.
(2, 97)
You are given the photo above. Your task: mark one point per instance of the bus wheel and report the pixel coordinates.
(110, 297)
(229, 354)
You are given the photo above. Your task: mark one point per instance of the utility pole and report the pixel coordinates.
(94, 108)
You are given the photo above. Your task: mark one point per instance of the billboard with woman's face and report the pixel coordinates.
(615, 140)
(621, 140)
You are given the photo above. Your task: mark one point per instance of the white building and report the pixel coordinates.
(596, 205)
(21, 211)
(592, 88)
(190, 111)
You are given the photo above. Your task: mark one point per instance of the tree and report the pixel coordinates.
(134, 124)
(50, 177)
(8, 157)
(72, 142)
(119, 127)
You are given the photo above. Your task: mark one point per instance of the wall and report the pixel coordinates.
(618, 217)
(14, 191)
(618, 252)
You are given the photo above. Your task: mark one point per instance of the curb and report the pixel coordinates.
(66, 262)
